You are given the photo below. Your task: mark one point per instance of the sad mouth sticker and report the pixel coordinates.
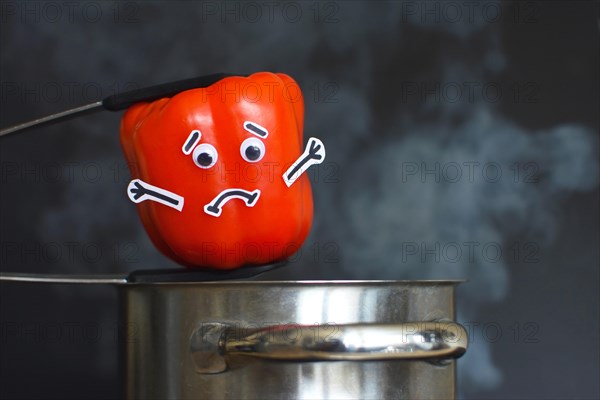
(218, 174)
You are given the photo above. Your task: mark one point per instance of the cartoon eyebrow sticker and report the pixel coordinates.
(191, 142)
(256, 129)
(139, 191)
(313, 154)
(215, 207)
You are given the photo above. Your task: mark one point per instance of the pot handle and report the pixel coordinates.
(213, 346)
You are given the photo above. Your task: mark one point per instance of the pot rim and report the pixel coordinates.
(316, 282)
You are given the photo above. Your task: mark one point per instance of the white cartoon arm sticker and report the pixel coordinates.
(139, 191)
(215, 207)
(313, 154)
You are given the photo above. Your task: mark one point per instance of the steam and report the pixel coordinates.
(412, 227)
(530, 174)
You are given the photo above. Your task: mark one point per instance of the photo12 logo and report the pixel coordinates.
(469, 172)
(470, 252)
(470, 12)
(270, 12)
(470, 92)
(69, 252)
(70, 12)
(71, 92)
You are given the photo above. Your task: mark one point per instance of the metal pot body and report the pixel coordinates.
(291, 340)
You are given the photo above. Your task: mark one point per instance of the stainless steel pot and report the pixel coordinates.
(284, 340)
(292, 340)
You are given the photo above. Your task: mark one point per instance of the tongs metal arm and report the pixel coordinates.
(63, 278)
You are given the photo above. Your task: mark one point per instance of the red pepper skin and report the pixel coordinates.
(152, 137)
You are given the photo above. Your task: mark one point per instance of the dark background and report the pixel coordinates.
(449, 126)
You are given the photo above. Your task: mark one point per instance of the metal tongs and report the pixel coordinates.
(170, 275)
(120, 102)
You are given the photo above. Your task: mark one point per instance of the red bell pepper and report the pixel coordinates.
(218, 171)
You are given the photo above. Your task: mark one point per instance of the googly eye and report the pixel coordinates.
(205, 155)
(252, 150)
